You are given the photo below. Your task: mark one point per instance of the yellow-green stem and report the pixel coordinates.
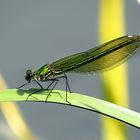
(114, 82)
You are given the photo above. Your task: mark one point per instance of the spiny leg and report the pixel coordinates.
(41, 88)
(57, 80)
(22, 85)
(67, 84)
(53, 80)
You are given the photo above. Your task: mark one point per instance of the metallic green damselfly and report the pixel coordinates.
(97, 59)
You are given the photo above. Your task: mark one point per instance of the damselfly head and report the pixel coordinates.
(29, 75)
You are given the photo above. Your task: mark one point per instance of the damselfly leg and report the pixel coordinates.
(56, 80)
(51, 86)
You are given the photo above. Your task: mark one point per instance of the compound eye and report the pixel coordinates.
(28, 72)
(28, 75)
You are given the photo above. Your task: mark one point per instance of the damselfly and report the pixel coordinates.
(100, 58)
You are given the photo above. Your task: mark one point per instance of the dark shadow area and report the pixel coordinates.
(33, 91)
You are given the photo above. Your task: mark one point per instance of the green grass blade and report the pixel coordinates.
(78, 100)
